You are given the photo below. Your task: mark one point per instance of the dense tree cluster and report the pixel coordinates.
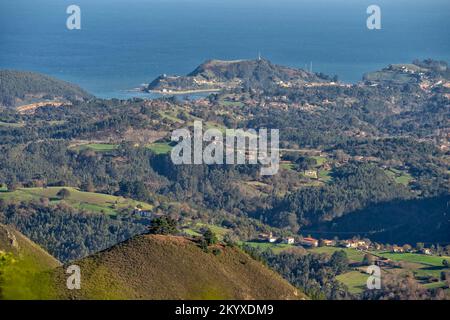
(314, 274)
(18, 85)
(65, 233)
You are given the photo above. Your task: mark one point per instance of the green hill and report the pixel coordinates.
(19, 88)
(217, 75)
(23, 266)
(89, 201)
(168, 267)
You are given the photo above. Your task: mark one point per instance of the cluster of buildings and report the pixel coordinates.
(359, 244)
(307, 242)
(269, 237)
(312, 242)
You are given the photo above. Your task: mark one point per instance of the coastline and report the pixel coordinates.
(181, 92)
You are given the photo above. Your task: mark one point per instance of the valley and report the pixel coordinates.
(359, 162)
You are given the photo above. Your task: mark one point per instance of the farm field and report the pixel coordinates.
(98, 147)
(157, 147)
(93, 202)
(421, 265)
(160, 147)
(275, 247)
(399, 176)
(355, 281)
(429, 260)
(352, 254)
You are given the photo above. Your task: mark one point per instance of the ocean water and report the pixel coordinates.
(124, 43)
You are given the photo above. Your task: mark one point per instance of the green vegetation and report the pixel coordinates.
(18, 86)
(319, 160)
(399, 176)
(89, 201)
(429, 260)
(160, 147)
(275, 247)
(67, 233)
(354, 280)
(23, 268)
(361, 129)
(98, 147)
(287, 166)
(325, 175)
(209, 237)
(353, 254)
(182, 271)
(170, 116)
(420, 264)
(163, 225)
(220, 232)
(435, 285)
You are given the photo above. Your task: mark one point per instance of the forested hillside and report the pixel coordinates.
(21, 87)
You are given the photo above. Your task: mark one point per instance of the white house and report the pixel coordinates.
(289, 240)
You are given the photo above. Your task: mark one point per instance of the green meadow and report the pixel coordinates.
(356, 281)
(89, 201)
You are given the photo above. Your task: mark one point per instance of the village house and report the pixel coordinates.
(264, 236)
(397, 249)
(309, 242)
(142, 213)
(359, 244)
(329, 243)
(289, 240)
(267, 237)
(377, 246)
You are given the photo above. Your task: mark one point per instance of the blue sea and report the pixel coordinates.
(124, 43)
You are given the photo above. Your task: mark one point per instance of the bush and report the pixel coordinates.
(163, 225)
(63, 194)
(209, 237)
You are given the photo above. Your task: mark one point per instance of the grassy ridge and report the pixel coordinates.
(89, 201)
(165, 267)
(24, 268)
